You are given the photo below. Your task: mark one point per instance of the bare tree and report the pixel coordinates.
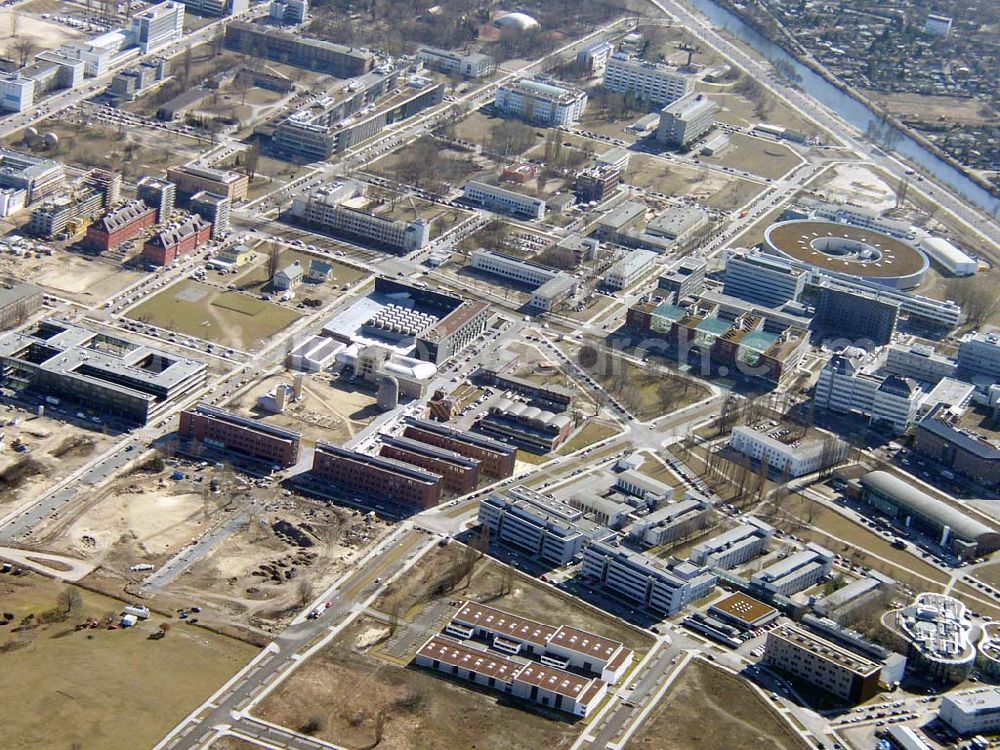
(69, 600)
(305, 591)
(24, 47)
(252, 159)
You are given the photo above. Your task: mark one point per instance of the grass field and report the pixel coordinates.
(590, 433)
(113, 690)
(710, 709)
(255, 280)
(640, 389)
(673, 178)
(207, 312)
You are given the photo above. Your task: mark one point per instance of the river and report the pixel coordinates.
(848, 107)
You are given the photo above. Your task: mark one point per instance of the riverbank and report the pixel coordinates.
(781, 37)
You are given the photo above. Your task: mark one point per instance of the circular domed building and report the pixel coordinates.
(517, 20)
(849, 250)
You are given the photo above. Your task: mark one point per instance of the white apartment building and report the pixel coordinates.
(594, 58)
(627, 270)
(644, 580)
(796, 572)
(849, 383)
(792, 459)
(16, 93)
(158, 25)
(822, 663)
(685, 120)
(918, 361)
(657, 84)
(474, 65)
(541, 102)
(972, 712)
(503, 201)
(734, 547)
(762, 279)
(979, 354)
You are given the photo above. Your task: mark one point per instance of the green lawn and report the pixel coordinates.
(227, 318)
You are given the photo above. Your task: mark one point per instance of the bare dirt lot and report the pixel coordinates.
(348, 691)
(672, 178)
(108, 689)
(329, 410)
(710, 709)
(79, 277)
(54, 450)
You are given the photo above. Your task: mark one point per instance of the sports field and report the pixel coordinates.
(228, 318)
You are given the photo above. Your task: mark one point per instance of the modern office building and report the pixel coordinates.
(961, 450)
(159, 194)
(544, 528)
(979, 354)
(342, 208)
(501, 200)
(918, 361)
(294, 49)
(36, 176)
(225, 431)
(643, 580)
(189, 180)
(855, 316)
(17, 93)
(684, 278)
(288, 12)
(949, 527)
(216, 8)
(671, 521)
(651, 492)
(122, 223)
(528, 427)
(375, 476)
(158, 25)
(734, 547)
(497, 459)
(851, 383)
(685, 120)
(101, 371)
(558, 645)
(537, 682)
(460, 473)
(794, 458)
(18, 303)
(654, 84)
(100, 53)
(629, 268)
(551, 286)
(176, 240)
(541, 102)
(938, 637)
(821, 663)
(762, 279)
(972, 712)
(472, 65)
(214, 209)
(796, 572)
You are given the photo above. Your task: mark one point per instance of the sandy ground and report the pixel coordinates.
(44, 437)
(46, 34)
(850, 182)
(80, 277)
(326, 412)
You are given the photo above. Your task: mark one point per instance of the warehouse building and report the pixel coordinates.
(223, 430)
(528, 427)
(647, 582)
(948, 526)
(821, 663)
(376, 477)
(497, 458)
(112, 375)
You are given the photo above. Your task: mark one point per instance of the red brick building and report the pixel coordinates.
(176, 241)
(375, 477)
(496, 458)
(461, 474)
(120, 224)
(223, 430)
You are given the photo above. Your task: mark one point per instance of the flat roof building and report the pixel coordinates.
(497, 458)
(685, 120)
(472, 65)
(460, 473)
(294, 49)
(375, 476)
(112, 375)
(544, 528)
(796, 572)
(501, 200)
(629, 268)
(744, 611)
(822, 663)
(646, 81)
(541, 102)
(223, 430)
(972, 712)
(18, 302)
(734, 547)
(189, 180)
